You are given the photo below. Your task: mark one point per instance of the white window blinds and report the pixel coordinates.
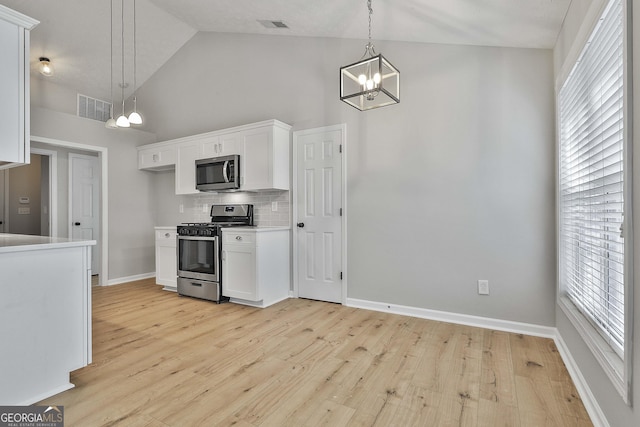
(591, 179)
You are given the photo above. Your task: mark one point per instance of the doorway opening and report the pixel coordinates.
(99, 153)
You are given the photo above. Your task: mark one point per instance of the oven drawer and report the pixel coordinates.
(238, 237)
(199, 289)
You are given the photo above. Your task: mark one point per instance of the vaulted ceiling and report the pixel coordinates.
(76, 34)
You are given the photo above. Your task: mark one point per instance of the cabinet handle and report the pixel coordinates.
(238, 237)
(156, 158)
(224, 255)
(167, 235)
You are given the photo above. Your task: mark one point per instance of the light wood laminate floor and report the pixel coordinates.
(164, 360)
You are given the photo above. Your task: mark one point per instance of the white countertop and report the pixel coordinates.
(23, 242)
(258, 228)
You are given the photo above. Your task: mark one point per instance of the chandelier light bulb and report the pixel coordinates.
(362, 79)
(377, 79)
(369, 84)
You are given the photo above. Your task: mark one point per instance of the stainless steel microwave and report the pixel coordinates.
(218, 173)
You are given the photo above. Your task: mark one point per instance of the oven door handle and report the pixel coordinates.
(225, 174)
(197, 238)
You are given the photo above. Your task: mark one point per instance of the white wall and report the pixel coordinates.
(131, 211)
(454, 184)
(612, 405)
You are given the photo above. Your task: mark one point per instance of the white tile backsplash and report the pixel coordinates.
(197, 208)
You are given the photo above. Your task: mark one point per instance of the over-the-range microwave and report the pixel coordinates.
(218, 173)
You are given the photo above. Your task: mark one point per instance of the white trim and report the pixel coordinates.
(343, 129)
(104, 193)
(17, 18)
(588, 24)
(133, 278)
(461, 319)
(610, 362)
(53, 188)
(588, 399)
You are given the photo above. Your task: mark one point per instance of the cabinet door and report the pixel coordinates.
(157, 158)
(186, 168)
(211, 147)
(231, 144)
(239, 272)
(12, 100)
(256, 162)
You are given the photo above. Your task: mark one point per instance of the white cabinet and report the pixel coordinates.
(14, 87)
(157, 158)
(166, 258)
(264, 160)
(263, 148)
(255, 265)
(188, 153)
(223, 145)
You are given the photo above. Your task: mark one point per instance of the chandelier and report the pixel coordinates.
(371, 82)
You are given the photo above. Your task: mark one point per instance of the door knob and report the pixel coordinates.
(77, 223)
(300, 224)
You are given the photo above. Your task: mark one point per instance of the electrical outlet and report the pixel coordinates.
(205, 208)
(181, 208)
(274, 206)
(483, 287)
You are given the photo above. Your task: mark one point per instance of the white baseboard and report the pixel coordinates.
(462, 319)
(590, 403)
(133, 278)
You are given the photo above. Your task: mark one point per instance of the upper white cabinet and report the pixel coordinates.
(263, 149)
(264, 159)
(14, 86)
(159, 158)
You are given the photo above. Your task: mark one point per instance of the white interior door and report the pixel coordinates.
(319, 184)
(84, 202)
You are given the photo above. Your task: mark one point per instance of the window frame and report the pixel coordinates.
(618, 367)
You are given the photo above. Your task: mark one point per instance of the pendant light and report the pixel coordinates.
(371, 82)
(111, 123)
(134, 117)
(122, 121)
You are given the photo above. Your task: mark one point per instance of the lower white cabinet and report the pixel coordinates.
(166, 258)
(255, 265)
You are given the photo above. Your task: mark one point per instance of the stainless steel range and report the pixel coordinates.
(199, 248)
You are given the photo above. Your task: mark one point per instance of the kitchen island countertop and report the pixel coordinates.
(24, 242)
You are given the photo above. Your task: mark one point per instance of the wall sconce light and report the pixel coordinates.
(45, 67)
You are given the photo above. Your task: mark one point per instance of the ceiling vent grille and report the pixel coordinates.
(92, 108)
(273, 24)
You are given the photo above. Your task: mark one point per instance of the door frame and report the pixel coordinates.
(53, 190)
(294, 198)
(104, 196)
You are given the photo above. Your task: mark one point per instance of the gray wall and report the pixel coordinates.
(615, 410)
(452, 185)
(25, 182)
(131, 211)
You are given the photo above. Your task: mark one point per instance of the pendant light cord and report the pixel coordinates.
(134, 52)
(111, 58)
(122, 34)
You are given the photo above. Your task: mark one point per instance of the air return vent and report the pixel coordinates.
(273, 24)
(92, 108)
